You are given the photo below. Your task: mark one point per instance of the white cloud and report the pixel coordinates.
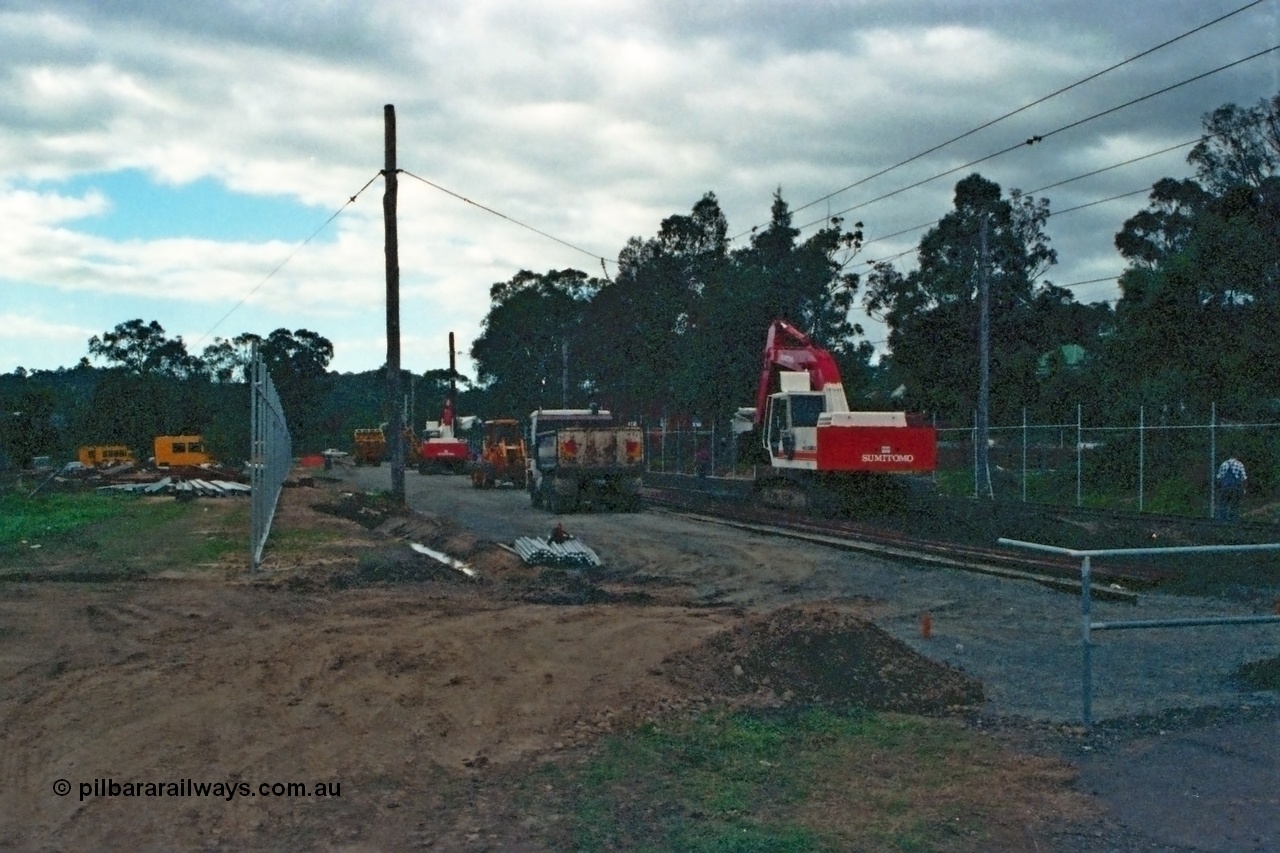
(588, 121)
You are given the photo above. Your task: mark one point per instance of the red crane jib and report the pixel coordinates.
(788, 348)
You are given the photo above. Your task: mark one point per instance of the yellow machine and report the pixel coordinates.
(180, 450)
(369, 446)
(502, 457)
(93, 455)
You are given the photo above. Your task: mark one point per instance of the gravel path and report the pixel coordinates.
(1021, 639)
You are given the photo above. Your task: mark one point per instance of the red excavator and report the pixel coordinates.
(821, 455)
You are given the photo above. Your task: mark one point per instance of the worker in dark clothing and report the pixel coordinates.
(702, 462)
(1232, 483)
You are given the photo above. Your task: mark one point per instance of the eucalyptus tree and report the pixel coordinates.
(531, 334)
(1202, 289)
(933, 311)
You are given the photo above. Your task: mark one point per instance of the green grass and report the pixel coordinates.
(793, 780)
(89, 537)
(1058, 488)
(297, 541)
(48, 516)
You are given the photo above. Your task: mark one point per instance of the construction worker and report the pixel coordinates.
(1231, 482)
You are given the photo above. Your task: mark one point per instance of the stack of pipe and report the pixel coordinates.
(568, 554)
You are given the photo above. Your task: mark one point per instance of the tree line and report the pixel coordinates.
(677, 331)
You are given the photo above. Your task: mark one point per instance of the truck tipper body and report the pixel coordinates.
(580, 458)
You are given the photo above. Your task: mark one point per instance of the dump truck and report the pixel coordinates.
(502, 456)
(368, 446)
(580, 458)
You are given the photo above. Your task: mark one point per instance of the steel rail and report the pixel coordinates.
(878, 543)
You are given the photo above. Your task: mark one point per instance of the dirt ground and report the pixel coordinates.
(351, 661)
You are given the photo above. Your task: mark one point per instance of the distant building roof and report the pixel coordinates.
(1070, 356)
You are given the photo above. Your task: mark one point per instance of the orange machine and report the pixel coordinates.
(180, 450)
(94, 455)
(502, 456)
(369, 446)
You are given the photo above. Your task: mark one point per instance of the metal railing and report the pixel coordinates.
(1088, 626)
(270, 456)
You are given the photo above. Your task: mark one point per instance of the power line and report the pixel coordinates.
(289, 257)
(1063, 182)
(1020, 109)
(1101, 201)
(1089, 281)
(1041, 137)
(1128, 162)
(510, 219)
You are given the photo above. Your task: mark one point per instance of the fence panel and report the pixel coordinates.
(270, 456)
(679, 450)
(1162, 463)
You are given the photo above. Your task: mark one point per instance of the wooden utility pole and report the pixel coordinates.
(564, 372)
(395, 441)
(983, 486)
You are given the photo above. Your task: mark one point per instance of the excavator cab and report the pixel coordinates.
(791, 433)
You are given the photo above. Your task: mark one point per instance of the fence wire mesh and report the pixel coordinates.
(270, 456)
(1161, 462)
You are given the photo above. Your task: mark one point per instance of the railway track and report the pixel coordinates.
(944, 532)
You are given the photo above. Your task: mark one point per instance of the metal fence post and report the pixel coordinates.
(1086, 648)
(663, 444)
(1079, 456)
(1142, 454)
(1024, 454)
(714, 448)
(1213, 459)
(975, 455)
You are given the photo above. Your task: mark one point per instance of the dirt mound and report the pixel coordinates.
(823, 657)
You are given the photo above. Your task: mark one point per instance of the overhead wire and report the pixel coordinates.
(1041, 137)
(510, 219)
(1016, 111)
(1063, 182)
(350, 201)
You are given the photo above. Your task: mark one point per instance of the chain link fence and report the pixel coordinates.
(712, 451)
(1159, 462)
(270, 457)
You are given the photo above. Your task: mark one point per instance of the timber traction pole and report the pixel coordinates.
(395, 441)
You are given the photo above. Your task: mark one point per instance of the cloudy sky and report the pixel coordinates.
(180, 161)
